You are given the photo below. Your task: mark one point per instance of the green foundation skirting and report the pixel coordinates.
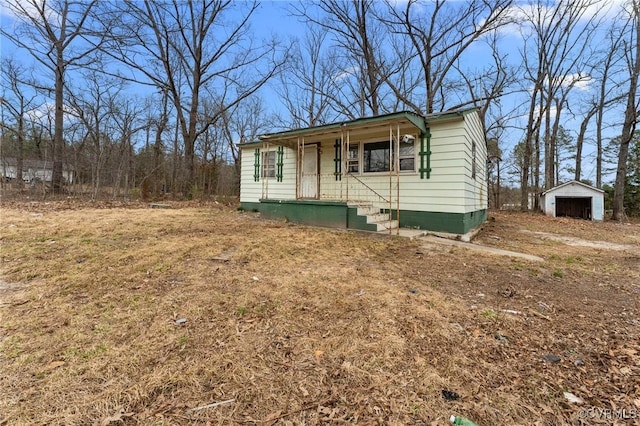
(311, 212)
(455, 223)
(337, 214)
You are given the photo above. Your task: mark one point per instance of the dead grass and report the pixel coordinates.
(303, 325)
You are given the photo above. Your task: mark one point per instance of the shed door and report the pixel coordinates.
(579, 207)
(309, 172)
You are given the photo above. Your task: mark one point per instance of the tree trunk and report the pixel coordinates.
(58, 137)
(20, 153)
(580, 142)
(630, 118)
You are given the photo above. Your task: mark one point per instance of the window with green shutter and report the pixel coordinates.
(256, 165)
(337, 160)
(425, 155)
(279, 163)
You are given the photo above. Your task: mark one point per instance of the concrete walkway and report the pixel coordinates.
(430, 239)
(442, 238)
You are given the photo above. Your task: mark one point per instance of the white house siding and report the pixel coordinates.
(449, 189)
(252, 192)
(31, 172)
(445, 189)
(475, 197)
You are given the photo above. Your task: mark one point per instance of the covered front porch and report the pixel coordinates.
(347, 174)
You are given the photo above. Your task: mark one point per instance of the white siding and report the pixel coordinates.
(449, 189)
(475, 188)
(597, 207)
(444, 191)
(252, 192)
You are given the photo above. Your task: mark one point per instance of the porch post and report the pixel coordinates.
(298, 169)
(397, 180)
(345, 161)
(302, 165)
(391, 167)
(265, 166)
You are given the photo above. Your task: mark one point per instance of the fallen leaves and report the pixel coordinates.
(335, 327)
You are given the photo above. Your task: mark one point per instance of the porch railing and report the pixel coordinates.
(352, 189)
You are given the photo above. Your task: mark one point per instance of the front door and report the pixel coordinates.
(309, 174)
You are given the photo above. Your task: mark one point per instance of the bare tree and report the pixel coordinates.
(359, 37)
(127, 122)
(631, 46)
(440, 33)
(308, 85)
(486, 88)
(607, 94)
(244, 123)
(17, 100)
(177, 46)
(158, 122)
(555, 42)
(94, 107)
(56, 34)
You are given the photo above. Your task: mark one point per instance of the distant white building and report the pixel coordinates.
(34, 170)
(574, 199)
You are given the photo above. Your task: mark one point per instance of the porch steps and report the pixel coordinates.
(386, 225)
(382, 221)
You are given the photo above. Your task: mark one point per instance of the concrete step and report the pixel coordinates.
(377, 217)
(386, 225)
(366, 210)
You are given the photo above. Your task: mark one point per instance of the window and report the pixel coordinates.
(473, 159)
(269, 164)
(407, 157)
(353, 159)
(376, 157)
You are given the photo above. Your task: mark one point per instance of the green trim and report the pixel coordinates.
(250, 207)
(311, 212)
(337, 214)
(256, 165)
(358, 222)
(455, 223)
(303, 202)
(474, 219)
(252, 144)
(279, 163)
(425, 155)
(420, 122)
(414, 119)
(337, 160)
(448, 115)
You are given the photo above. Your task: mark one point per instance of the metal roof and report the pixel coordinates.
(572, 182)
(418, 121)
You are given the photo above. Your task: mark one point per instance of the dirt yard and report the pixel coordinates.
(200, 314)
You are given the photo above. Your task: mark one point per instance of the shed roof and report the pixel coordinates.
(572, 182)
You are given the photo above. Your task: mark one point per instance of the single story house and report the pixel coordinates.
(574, 199)
(375, 173)
(34, 170)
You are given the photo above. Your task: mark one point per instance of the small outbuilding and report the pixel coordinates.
(574, 199)
(33, 170)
